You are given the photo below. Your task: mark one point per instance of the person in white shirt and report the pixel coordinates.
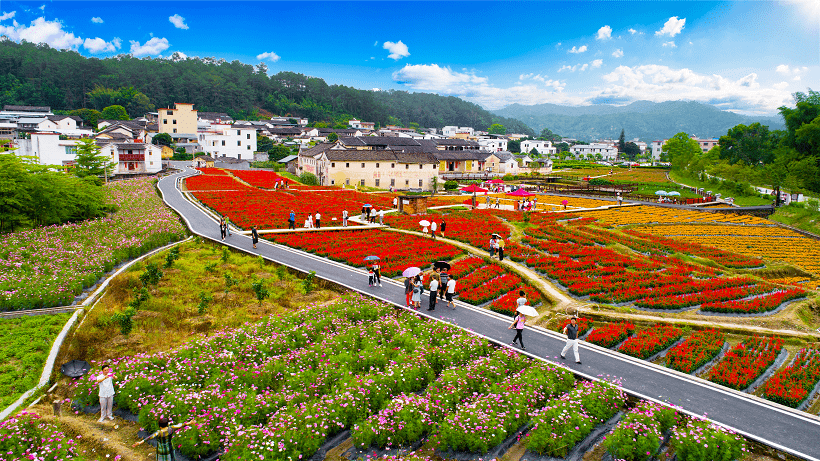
(451, 291)
(106, 383)
(344, 218)
(433, 293)
(318, 220)
(395, 202)
(381, 216)
(522, 299)
(433, 227)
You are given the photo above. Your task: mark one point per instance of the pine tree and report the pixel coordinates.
(89, 160)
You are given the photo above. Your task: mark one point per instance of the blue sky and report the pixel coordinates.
(741, 56)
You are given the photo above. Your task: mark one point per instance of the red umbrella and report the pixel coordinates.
(520, 193)
(473, 188)
(495, 181)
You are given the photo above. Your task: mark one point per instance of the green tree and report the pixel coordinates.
(162, 139)
(680, 150)
(89, 160)
(278, 152)
(497, 128)
(259, 290)
(114, 112)
(101, 97)
(806, 110)
(14, 192)
(89, 116)
(308, 179)
(562, 147)
(263, 143)
(622, 142)
(534, 153)
(548, 135)
(750, 144)
(332, 137)
(514, 145)
(631, 151)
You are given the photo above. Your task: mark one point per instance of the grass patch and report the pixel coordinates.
(717, 189)
(797, 215)
(24, 346)
(193, 296)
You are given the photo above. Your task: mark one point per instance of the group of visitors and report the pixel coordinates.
(442, 286)
(497, 247)
(225, 227)
(281, 184)
(526, 205)
(374, 275)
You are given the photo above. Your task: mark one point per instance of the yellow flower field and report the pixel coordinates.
(656, 215)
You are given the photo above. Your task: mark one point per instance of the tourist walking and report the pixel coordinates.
(620, 200)
(292, 220)
(381, 216)
(433, 228)
(444, 278)
(488, 201)
(309, 221)
(222, 228)
(522, 299)
(498, 203)
(395, 202)
(228, 226)
(493, 245)
(364, 210)
(370, 276)
(571, 330)
(164, 437)
(254, 236)
(443, 226)
(451, 291)
(433, 292)
(318, 220)
(106, 383)
(377, 274)
(344, 218)
(408, 290)
(500, 244)
(416, 299)
(518, 323)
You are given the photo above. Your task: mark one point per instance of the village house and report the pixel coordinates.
(607, 152)
(203, 161)
(542, 147)
(181, 119)
(228, 140)
(130, 158)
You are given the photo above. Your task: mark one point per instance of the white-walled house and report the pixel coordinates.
(657, 149)
(452, 131)
(47, 148)
(493, 144)
(229, 141)
(608, 152)
(542, 147)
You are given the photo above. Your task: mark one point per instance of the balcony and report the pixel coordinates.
(132, 157)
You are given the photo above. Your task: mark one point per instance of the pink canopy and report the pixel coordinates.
(495, 181)
(473, 188)
(520, 193)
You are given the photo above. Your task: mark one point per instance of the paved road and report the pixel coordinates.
(790, 431)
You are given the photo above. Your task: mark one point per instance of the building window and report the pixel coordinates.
(392, 182)
(362, 164)
(347, 165)
(248, 147)
(165, 121)
(407, 166)
(421, 182)
(175, 130)
(333, 165)
(332, 182)
(239, 143)
(361, 183)
(377, 165)
(407, 182)
(421, 166)
(174, 121)
(347, 181)
(238, 133)
(223, 142)
(377, 182)
(169, 112)
(392, 165)
(249, 136)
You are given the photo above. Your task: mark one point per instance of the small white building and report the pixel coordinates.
(542, 147)
(452, 131)
(493, 144)
(48, 148)
(133, 157)
(222, 140)
(656, 149)
(607, 152)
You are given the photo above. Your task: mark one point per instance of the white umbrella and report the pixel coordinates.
(661, 192)
(411, 272)
(529, 311)
(674, 192)
(424, 223)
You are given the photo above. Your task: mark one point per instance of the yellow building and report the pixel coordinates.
(181, 119)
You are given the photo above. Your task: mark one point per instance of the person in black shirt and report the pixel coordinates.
(571, 330)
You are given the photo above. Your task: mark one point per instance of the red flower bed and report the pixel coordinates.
(746, 362)
(214, 182)
(479, 277)
(766, 303)
(507, 304)
(649, 342)
(583, 325)
(490, 290)
(213, 171)
(265, 179)
(678, 302)
(792, 386)
(464, 226)
(610, 334)
(696, 351)
(397, 251)
(466, 266)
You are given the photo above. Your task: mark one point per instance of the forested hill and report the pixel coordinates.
(39, 75)
(646, 120)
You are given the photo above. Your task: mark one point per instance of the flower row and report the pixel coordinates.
(747, 361)
(697, 350)
(793, 385)
(759, 304)
(649, 342)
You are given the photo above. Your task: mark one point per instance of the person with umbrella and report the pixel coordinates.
(408, 290)
(571, 330)
(416, 299)
(443, 276)
(106, 383)
(409, 284)
(164, 437)
(254, 236)
(377, 275)
(518, 323)
(493, 244)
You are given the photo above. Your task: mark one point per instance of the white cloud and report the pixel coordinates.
(619, 53)
(42, 31)
(376, 43)
(604, 33)
(596, 63)
(662, 83)
(781, 85)
(8, 15)
(437, 79)
(152, 47)
(670, 44)
(273, 57)
(42, 7)
(795, 72)
(577, 50)
(632, 31)
(578, 67)
(97, 20)
(178, 21)
(397, 50)
(672, 27)
(98, 45)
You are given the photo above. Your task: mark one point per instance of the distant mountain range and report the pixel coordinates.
(645, 120)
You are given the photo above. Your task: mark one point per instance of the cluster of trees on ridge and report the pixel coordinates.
(32, 74)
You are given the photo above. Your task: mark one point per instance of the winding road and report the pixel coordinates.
(791, 431)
